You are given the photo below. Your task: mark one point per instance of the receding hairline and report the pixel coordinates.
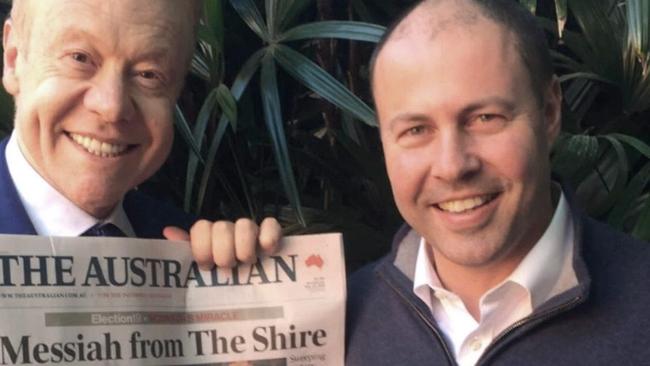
(422, 18)
(529, 39)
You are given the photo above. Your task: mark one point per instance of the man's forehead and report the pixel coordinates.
(155, 11)
(162, 13)
(432, 17)
(161, 23)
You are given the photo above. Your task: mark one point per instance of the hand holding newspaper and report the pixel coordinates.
(116, 301)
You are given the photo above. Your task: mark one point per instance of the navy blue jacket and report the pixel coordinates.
(603, 321)
(147, 216)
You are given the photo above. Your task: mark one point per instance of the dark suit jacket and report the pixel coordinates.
(147, 216)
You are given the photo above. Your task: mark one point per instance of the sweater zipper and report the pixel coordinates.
(541, 317)
(441, 340)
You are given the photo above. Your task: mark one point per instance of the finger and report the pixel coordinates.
(270, 235)
(246, 231)
(200, 241)
(223, 244)
(175, 233)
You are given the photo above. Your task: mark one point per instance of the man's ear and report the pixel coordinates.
(553, 110)
(10, 58)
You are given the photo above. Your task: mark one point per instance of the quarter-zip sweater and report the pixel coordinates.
(605, 320)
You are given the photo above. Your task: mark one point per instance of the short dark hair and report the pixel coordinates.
(529, 37)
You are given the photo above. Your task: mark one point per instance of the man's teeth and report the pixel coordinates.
(458, 206)
(99, 148)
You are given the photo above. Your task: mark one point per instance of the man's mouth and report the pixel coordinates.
(466, 204)
(99, 148)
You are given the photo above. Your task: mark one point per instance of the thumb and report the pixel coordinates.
(175, 233)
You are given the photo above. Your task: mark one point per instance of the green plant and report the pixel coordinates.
(220, 111)
(263, 135)
(603, 66)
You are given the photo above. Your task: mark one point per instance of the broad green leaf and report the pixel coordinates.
(566, 62)
(206, 111)
(622, 171)
(531, 5)
(246, 73)
(206, 34)
(322, 83)
(602, 37)
(186, 132)
(252, 17)
(199, 67)
(357, 31)
(289, 10)
(213, 14)
(281, 13)
(561, 15)
(272, 15)
(637, 58)
(617, 216)
(637, 144)
(638, 22)
(575, 42)
(230, 192)
(239, 86)
(575, 155)
(209, 56)
(584, 75)
(227, 103)
(274, 123)
(579, 96)
(350, 128)
(209, 163)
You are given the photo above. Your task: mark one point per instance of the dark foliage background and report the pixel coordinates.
(277, 119)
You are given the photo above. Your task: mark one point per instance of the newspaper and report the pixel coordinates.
(116, 301)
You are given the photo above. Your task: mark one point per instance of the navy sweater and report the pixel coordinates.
(603, 321)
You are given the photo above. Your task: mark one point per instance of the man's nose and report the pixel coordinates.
(454, 157)
(108, 96)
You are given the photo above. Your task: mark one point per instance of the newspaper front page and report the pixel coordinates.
(116, 301)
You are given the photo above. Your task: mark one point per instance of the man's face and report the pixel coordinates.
(466, 141)
(95, 83)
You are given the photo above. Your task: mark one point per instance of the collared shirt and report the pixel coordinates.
(51, 213)
(546, 271)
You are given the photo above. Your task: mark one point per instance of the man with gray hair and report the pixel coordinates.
(495, 264)
(95, 84)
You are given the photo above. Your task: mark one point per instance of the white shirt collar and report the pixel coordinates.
(538, 272)
(51, 213)
(542, 267)
(547, 270)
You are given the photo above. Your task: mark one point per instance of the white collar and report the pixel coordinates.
(51, 213)
(545, 271)
(542, 267)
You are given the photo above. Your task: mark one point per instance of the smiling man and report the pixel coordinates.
(95, 84)
(495, 264)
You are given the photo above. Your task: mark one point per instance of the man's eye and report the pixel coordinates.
(80, 57)
(487, 117)
(150, 79)
(148, 75)
(487, 122)
(416, 130)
